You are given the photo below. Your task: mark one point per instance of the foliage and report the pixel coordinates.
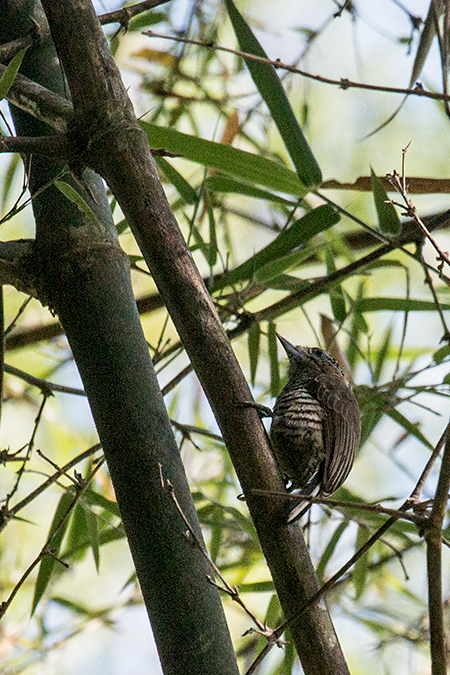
(277, 252)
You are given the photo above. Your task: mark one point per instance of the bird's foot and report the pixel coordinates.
(262, 410)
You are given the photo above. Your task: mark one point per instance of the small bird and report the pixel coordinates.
(316, 424)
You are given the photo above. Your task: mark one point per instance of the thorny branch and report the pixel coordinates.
(231, 591)
(342, 83)
(399, 183)
(433, 536)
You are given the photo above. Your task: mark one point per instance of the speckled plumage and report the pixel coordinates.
(316, 424)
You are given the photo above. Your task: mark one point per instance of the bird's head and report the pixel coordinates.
(308, 360)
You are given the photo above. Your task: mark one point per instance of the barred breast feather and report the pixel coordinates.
(316, 424)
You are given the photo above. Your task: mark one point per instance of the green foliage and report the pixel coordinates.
(9, 75)
(75, 197)
(272, 92)
(272, 247)
(388, 220)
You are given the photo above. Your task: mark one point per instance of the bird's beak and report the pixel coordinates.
(289, 348)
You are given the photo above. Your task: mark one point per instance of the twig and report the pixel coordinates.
(124, 15)
(342, 83)
(433, 536)
(399, 183)
(231, 591)
(39, 490)
(47, 388)
(360, 506)
(429, 465)
(20, 472)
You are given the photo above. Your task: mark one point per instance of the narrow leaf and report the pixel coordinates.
(245, 165)
(329, 550)
(92, 528)
(8, 77)
(409, 427)
(77, 532)
(291, 261)
(337, 299)
(426, 39)
(269, 86)
(360, 570)
(75, 197)
(253, 349)
(388, 220)
(212, 248)
(9, 176)
(396, 305)
(185, 190)
(441, 354)
(273, 359)
(55, 537)
(300, 232)
(219, 183)
(352, 351)
(382, 355)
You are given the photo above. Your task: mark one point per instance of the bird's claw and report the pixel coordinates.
(262, 410)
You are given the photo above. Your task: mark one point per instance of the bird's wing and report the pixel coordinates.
(341, 429)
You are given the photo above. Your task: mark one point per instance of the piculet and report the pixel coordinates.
(316, 424)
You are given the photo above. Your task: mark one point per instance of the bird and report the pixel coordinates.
(316, 425)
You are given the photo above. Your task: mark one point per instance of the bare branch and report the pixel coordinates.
(342, 83)
(433, 535)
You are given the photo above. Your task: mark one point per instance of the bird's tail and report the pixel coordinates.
(311, 489)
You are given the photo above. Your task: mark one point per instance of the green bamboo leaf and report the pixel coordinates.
(75, 197)
(121, 226)
(287, 282)
(273, 613)
(359, 574)
(382, 355)
(409, 427)
(149, 18)
(441, 354)
(388, 220)
(9, 176)
(426, 39)
(291, 261)
(337, 299)
(105, 537)
(219, 183)
(55, 536)
(244, 165)
(185, 190)
(77, 532)
(273, 359)
(257, 587)
(212, 248)
(200, 243)
(357, 326)
(75, 607)
(396, 305)
(269, 86)
(8, 77)
(92, 529)
(253, 349)
(326, 556)
(402, 528)
(300, 232)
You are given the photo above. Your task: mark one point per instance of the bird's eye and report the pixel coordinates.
(322, 355)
